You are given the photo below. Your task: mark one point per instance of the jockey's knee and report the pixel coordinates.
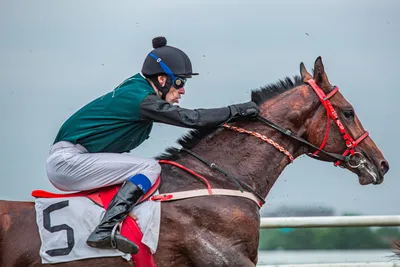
(147, 175)
(151, 169)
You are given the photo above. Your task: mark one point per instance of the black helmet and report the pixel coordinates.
(177, 62)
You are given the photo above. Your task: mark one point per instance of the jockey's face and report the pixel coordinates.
(174, 94)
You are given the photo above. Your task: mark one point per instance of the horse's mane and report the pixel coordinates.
(258, 96)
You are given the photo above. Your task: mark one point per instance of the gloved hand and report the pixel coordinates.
(248, 109)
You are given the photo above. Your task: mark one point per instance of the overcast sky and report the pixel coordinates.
(56, 56)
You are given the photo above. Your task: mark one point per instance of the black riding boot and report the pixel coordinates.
(119, 207)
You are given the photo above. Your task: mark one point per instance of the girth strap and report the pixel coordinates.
(209, 191)
(204, 192)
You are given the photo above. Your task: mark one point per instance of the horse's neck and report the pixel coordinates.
(253, 161)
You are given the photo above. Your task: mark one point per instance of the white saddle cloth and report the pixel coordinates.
(65, 223)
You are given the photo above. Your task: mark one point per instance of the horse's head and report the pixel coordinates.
(345, 132)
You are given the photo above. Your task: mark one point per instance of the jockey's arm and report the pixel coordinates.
(156, 109)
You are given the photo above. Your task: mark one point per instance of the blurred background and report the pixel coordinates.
(56, 56)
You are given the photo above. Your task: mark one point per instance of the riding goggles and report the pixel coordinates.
(177, 82)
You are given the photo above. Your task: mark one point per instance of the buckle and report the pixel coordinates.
(162, 197)
(356, 160)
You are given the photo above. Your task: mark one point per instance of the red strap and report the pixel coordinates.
(151, 190)
(92, 194)
(327, 128)
(323, 98)
(334, 91)
(317, 90)
(331, 113)
(189, 171)
(351, 150)
(162, 197)
(362, 137)
(45, 194)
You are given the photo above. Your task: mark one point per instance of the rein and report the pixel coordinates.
(331, 114)
(301, 140)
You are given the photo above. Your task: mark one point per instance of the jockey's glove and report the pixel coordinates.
(248, 109)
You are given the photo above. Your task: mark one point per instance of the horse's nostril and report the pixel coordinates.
(384, 166)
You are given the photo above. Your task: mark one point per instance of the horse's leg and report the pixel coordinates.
(213, 236)
(171, 248)
(171, 257)
(212, 256)
(209, 249)
(200, 256)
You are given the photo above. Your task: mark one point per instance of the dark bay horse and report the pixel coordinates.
(224, 230)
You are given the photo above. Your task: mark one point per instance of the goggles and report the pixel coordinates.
(177, 82)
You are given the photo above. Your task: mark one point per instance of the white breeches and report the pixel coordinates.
(71, 168)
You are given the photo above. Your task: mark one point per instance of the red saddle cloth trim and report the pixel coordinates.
(92, 193)
(130, 230)
(46, 194)
(129, 227)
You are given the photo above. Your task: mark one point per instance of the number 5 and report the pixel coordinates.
(57, 228)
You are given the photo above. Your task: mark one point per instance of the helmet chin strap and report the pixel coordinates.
(163, 89)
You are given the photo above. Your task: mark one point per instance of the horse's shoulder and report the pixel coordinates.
(5, 218)
(15, 209)
(9, 205)
(5, 207)
(5, 222)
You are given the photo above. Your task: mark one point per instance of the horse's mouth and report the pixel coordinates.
(372, 178)
(368, 173)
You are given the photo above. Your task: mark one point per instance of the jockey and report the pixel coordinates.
(89, 150)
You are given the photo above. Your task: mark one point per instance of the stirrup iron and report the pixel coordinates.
(113, 233)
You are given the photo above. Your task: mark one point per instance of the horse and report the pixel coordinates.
(300, 115)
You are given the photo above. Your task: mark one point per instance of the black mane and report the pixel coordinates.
(267, 92)
(259, 96)
(188, 140)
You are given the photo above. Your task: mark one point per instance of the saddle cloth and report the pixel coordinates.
(66, 220)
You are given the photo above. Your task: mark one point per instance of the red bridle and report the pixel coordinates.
(332, 114)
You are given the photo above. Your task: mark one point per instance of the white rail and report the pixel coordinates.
(329, 221)
(366, 264)
(332, 221)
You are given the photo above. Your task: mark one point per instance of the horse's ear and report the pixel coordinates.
(305, 75)
(320, 76)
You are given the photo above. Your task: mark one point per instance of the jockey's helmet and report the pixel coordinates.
(169, 60)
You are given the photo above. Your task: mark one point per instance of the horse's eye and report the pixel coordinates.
(348, 114)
